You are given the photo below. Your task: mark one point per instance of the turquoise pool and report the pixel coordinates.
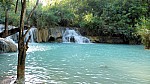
(49, 63)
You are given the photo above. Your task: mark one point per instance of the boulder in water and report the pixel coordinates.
(7, 46)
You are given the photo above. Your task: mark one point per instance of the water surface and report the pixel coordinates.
(81, 64)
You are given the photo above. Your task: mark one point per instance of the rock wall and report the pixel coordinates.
(50, 34)
(42, 35)
(55, 35)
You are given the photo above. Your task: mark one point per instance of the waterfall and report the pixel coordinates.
(43, 35)
(32, 33)
(71, 35)
(9, 38)
(8, 44)
(1, 28)
(14, 38)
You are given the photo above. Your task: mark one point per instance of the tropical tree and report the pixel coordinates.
(103, 17)
(143, 29)
(6, 5)
(22, 45)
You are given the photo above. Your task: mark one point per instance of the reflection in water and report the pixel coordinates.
(81, 64)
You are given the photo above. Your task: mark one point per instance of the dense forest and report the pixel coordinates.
(105, 17)
(127, 19)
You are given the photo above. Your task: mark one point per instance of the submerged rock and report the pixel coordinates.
(103, 66)
(7, 46)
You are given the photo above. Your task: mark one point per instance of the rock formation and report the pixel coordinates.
(55, 34)
(42, 35)
(7, 46)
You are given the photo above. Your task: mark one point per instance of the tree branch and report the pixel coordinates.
(27, 42)
(16, 8)
(26, 32)
(30, 16)
(32, 10)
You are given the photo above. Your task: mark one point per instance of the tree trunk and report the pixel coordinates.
(21, 47)
(5, 34)
(21, 62)
(147, 45)
(6, 22)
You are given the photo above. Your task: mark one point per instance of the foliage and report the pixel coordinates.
(143, 29)
(108, 17)
(8, 5)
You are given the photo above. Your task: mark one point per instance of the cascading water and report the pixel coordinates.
(14, 38)
(71, 35)
(8, 44)
(32, 33)
(1, 28)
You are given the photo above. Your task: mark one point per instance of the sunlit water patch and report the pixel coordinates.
(48, 63)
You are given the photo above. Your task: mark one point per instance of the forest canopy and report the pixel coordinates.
(107, 17)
